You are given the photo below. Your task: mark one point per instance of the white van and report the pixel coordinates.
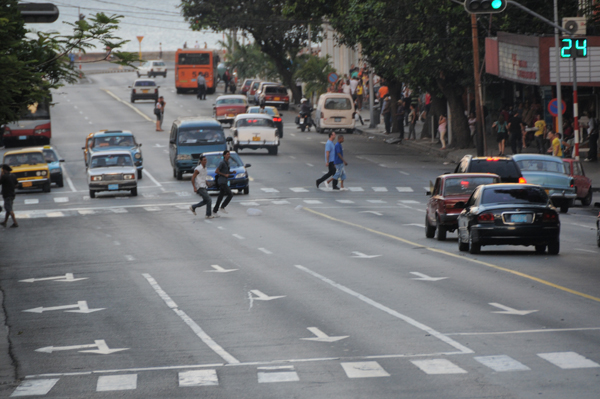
(335, 111)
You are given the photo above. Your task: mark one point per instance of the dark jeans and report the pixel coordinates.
(387, 120)
(226, 85)
(541, 145)
(205, 200)
(223, 189)
(202, 92)
(329, 173)
(593, 152)
(401, 127)
(411, 130)
(516, 142)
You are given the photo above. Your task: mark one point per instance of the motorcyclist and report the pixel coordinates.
(305, 111)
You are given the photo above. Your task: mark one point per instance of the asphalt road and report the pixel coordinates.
(324, 295)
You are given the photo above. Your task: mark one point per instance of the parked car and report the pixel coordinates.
(144, 89)
(239, 181)
(152, 68)
(252, 91)
(227, 107)
(274, 113)
(189, 138)
(30, 168)
(275, 95)
(260, 88)
(442, 212)
(549, 172)
(109, 140)
(246, 86)
(583, 184)
(505, 167)
(54, 161)
(112, 171)
(335, 111)
(255, 131)
(509, 214)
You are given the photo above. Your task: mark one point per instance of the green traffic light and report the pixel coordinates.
(496, 4)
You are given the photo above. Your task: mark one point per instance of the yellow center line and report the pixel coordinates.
(129, 105)
(464, 258)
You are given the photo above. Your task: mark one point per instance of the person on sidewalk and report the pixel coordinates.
(8, 181)
(199, 184)
(329, 161)
(593, 127)
(340, 162)
(360, 92)
(501, 135)
(386, 112)
(515, 127)
(400, 115)
(221, 175)
(201, 81)
(412, 121)
(556, 147)
(540, 134)
(442, 126)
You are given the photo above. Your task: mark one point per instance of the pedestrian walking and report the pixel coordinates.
(442, 125)
(501, 134)
(540, 134)
(556, 144)
(472, 124)
(201, 81)
(329, 161)
(386, 112)
(593, 127)
(412, 121)
(221, 175)
(199, 183)
(8, 181)
(226, 79)
(515, 127)
(340, 163)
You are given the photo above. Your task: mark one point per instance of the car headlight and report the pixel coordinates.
(96, 178)
(137, 155)
(210, 178)
(184, 157)
(128, 177)
(44, 173)
(241, 175)
(38, 173)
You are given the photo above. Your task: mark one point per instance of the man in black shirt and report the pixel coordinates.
(221, 176)
(515, 127)
(8, 182)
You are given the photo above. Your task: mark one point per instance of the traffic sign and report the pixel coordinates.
(553, 107)
(332, 77)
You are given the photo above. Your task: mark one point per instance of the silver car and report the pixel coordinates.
(112, 171)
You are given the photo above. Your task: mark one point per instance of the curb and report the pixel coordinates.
(99, 71)
(7, 370)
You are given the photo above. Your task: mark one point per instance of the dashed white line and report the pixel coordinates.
(266, 251)
(239, 237)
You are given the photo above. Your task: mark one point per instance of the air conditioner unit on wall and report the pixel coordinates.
(576, 25)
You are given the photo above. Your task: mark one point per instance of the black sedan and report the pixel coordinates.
(509, 214)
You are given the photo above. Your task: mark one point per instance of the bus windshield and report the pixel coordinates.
(37, 111)
(194, 59)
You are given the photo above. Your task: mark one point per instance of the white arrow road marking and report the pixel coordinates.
(158, 145)
(82, 305)
(68, 277)
(264, 297)
(321, 336)
(219, 269)
(363, 256)
(103, 349)
(424, 277)
(373, 212)
(508, 310)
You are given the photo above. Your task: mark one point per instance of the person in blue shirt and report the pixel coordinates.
(340, 162)
(329, 161)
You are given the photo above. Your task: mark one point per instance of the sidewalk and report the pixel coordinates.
(423, 145)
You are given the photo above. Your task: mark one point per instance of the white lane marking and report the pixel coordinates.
(266, 251)
(183, 193)
(585, 250)
(345, 201)
(270, 190)
(129, 105)
(198, 378)
(438, 366)
(299, 189)
(310, 164)
(568, 360)
(364, 370)
(116, 382)
(424, 277)
(376, 202)
(321, 336)
(86, 212)
(34, 387)
(144, 171)
(380, 189)
(117, 243)
(405, 189)
(508, 310)
(273, 374)
(191, 323)
(528, 331)
(404, 173)
(130, 258)
(410, 202)
(119, 210)
(372, 212)
(261, 296)
(293, 157)
(312, 202)
(414, 224)
(152, 208)
(249, 203)
(239, 237)
(356, 189)
(382, 165)
(219, 269)
(55, 214)
(501, 363)
(280, 202)
(360, 255)
(389, 311)
(32, 201)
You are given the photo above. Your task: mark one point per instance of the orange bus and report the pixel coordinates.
(191, 62)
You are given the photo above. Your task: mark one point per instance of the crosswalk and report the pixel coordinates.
(205, 377)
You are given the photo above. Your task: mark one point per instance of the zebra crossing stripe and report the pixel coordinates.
(61, 199)
(119, 210)
(116, 382)
(34, 387)
(568, 360)
(345, 201)
(152, 208)
(270, 190)
(355, 189)
(281, 202)
(32, 201)
(501, 363)
(312, 202)
(364, 370)
(277, 374)
(55, 214)
(86, 212)
(438, 366)
(377, 202)
(380, 189)
(299, 189)
(405, 190)
(249, 203)
(198, 378)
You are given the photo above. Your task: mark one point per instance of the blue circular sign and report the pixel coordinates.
(332, 77)
(553, 107)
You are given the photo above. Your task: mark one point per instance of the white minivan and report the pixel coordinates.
(335, 111)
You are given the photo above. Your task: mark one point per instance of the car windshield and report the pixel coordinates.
(255, 85)
(111, 141)
(195, 136)
(231, 101)
(536, 165)
(262, 122)
(145, 83)
(257, 110)
(214, 160)
(503, 168)
(50, 156)
(104, 161)
(338, 103)
(159, 63)
(465, 185)
(514, 195)
(30, 158)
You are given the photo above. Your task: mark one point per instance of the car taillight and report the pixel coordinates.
(549, 217)
(134, 91)
(522, 180)
(485, 218)
(276, 119)
(156, 91)
(572, 183)
(7, 131)
(40, 130)
(492, 159)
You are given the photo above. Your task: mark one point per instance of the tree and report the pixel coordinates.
(31, 67)
(248, 60)
(313, 71)
(278, 37)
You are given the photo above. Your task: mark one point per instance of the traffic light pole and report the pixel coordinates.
(481, 144)
(575, 110)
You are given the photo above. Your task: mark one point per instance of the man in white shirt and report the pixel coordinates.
(199, 183)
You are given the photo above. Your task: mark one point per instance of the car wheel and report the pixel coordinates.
(178, 90)
(179, 175)
(132, 99)
(441, 231)
(247, 190)
(540, 249)
(350, 131)
(174, 172)
(587, 200)
(273, 150)
(134, 192)
(92, 194)
(60, 182)
(473, 247)
(302, 128)
(165, 75)
(462, 247)
(564, 208)
(140, 174)
(429, 229)
(138, 74)
(285, 107)
(46, 187)
(554, 248)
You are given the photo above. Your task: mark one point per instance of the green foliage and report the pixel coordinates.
(31, 67)
(248, 60)
(313, 71)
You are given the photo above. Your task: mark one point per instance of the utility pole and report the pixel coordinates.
(481, 145)
(559, 119)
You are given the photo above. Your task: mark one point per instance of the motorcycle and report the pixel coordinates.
(304, 120)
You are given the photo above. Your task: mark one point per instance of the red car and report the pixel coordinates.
(246, 86)
(252, 90)
(583, 185)
(442, 212)
(227, 107)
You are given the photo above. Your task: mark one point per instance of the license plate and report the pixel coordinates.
(337, 119)
(277, 99)
(230, 115)
(144, 90)
(302, 121)
(22, 137)
(256, 138)
(520, 218)
(113, 186)
(27, 184)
